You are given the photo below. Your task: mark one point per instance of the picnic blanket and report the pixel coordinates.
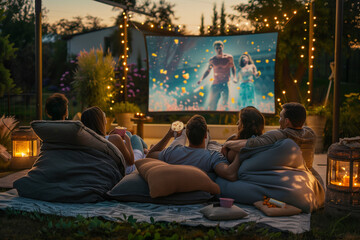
(185, 214)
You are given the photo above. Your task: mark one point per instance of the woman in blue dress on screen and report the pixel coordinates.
(246, 77)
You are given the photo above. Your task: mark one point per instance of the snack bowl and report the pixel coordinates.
(226, 202)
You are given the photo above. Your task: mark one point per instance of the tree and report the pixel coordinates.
(65, 27)
(278, 15)
(163, 13)
(214, 29)
(18, 23)
(222, 19)
(202, 27)
(7, 53)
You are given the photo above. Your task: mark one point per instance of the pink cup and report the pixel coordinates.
(120, 130)
(226, 202)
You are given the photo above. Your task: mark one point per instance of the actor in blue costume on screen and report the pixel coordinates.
(246, 76)
(222, 63)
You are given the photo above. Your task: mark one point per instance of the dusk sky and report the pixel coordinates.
(188, 11)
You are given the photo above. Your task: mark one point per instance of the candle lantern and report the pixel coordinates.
(343, 176)
(25, 148)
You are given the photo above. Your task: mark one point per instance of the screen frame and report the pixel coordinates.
(207, 111)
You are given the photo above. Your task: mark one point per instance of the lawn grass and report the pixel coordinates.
(23, 225)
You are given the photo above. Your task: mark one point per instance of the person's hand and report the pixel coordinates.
(126, 138)
(199, 82)
(170, 132)
(225, 151)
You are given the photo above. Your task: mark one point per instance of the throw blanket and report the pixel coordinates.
(186, 215)
(275, 171)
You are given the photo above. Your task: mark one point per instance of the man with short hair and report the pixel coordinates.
(56, 107)
(222, 63)
(195, 154)
(292, 119)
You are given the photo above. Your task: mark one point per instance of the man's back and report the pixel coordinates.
(202, 158)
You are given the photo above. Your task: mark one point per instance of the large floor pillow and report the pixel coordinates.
(275, 171)
(68, 170)
(133, 188)
(165, 179)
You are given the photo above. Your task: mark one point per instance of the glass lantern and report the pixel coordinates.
(25, 148)
(343, 176)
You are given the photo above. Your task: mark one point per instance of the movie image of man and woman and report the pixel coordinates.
(218, 73)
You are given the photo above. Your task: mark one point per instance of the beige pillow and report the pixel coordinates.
(165, 179)
(288, 210)
(222, 213)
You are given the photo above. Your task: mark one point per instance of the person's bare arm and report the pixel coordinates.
(255, 71)
(206, 73)
(233, 71)
(235, 145)
(155, 150)
(125, 149)
(228, 171)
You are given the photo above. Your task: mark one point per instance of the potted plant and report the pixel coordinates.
(316, 120)
(124, 111)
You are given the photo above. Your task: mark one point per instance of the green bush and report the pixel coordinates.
(93, 79)
(125, 107)
(349, 122)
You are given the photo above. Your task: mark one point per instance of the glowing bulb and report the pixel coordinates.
(125, 17)
(122, 34)
(302, 47)
(278, 99)
(152, 26)
(121, 26)
(308, 100)
(111, 107)
(283, 92)
(301, 55)
(295, 81)
(313, 49)
(304, 22)
(314, 18)
(265, 20)
(295, 12)
(312, 57)
(308, 92)
(285, 14)
(315, 25)
(308, 83)
(108, 87)
(275, 18)
(311, 66)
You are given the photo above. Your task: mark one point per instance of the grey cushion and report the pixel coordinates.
(133, 188)
(275, 171)
(74, 133)
(75, 165)
(222, 213)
